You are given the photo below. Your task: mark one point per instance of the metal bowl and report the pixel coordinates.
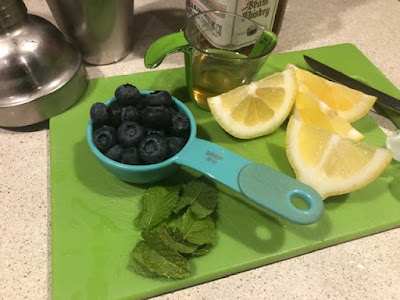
(41, 74)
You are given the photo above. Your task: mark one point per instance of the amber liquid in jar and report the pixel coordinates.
(213, 73)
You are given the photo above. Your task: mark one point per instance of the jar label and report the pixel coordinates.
(225, 31)
(260, 11)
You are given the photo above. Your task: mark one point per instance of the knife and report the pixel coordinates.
(334, 75)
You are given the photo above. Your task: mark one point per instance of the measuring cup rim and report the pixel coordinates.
(191, 18)
(142, 168)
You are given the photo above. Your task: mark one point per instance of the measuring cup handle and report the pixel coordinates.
(164, 46)
(259, 183)
(275, 191)
(214, 161)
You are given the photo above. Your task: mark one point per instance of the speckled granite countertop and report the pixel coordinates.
(366, 268)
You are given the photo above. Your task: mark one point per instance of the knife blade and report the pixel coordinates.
(335, 75)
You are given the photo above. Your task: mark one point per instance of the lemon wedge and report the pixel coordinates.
(350, 104)
(332, 165)
(311, 110)
(258, 108)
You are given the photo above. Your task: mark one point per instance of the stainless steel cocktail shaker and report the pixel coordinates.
(102, 29)
(41, 73)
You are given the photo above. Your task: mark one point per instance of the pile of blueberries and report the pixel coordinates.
(139, 129)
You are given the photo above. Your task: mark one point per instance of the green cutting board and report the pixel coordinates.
(92, 212)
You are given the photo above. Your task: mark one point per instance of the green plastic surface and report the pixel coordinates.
(92, 212)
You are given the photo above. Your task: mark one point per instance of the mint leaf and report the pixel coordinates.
(196, 230)
(201, 194)
(158, 258)
(202, 250)
(137, 266)
(162, 250)
(173, 237)
(157, 205)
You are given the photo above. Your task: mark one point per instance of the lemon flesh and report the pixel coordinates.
(258, 108)
(329, 163)
(350, 104)
(311, 110)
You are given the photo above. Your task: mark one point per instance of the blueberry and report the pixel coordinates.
(115, 152)
(114, 111)
(142, 103)
(130, 113)
(130, 156)
(130, 134)
(105, 137)
(127, 94)
(156, 117)
(172, 109)
(150, 131)
(180, 125)
(98, 113)
(158, 98)
(153, 149)
(175, 144)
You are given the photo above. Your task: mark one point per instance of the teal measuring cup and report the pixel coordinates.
(222, 51)
(263, 185)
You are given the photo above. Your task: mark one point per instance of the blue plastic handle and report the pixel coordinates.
(263, 185)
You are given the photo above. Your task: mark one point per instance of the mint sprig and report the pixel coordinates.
(166, 247)
(157, 205)
(173, 237)
(200, 195)
(161, 260)
(197, 230)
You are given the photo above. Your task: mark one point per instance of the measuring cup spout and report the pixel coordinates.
(166, 45)
(263, 185)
